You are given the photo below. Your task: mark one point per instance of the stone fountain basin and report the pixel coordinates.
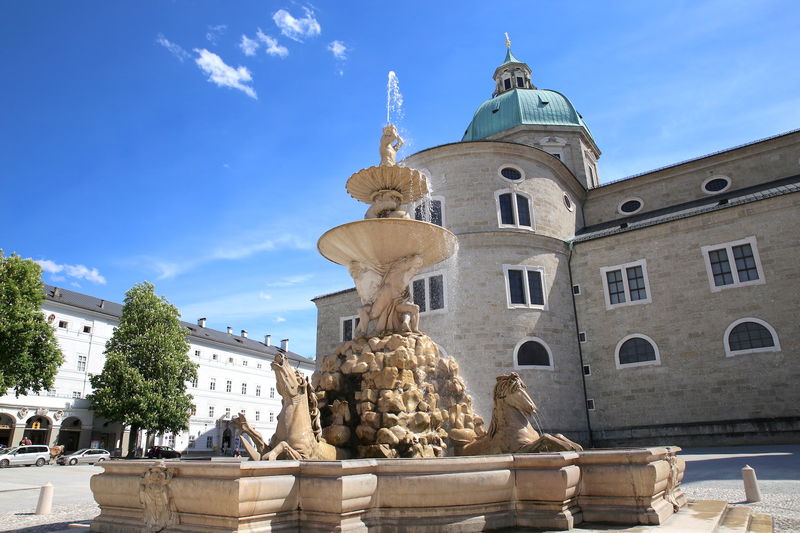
(451, 494)
(380, 241)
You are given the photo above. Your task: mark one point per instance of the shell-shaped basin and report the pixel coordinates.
(380, 241)
(409, 182)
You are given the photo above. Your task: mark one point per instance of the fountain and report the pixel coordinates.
(390, 400)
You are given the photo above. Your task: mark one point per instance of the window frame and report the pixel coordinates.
(630, 199)
(426, 276)
(517, 366)
(655, 362)
(342, 320)
(729, 329)
(426, 201)
(83, 360)
(712, 178)
(525, 269)
(728, 246)
(515, 167)
(624, 268)
(515, 209)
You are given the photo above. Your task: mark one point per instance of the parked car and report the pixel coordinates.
(86, 456)
(33, 454)
(163, 452)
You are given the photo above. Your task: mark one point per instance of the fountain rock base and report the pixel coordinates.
(393, 396)
(452, 494)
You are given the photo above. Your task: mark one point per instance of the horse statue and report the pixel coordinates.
(510, 430)
(299, 432)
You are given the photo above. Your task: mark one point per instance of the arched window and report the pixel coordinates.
(636, 350)
(514, 210)
(533, 352)
(750, 335)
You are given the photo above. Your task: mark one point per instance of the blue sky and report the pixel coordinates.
(204, 145)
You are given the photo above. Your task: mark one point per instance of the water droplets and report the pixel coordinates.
(394, 99)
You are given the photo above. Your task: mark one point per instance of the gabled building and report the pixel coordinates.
(660, 307)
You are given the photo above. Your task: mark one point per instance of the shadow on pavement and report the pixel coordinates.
(779, 462)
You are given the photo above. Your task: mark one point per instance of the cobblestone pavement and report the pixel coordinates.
(716, 474)
(711, 474)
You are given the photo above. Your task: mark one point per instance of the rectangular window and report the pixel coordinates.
(626, 284)
(194, 383)
(733, 264)
(576, 290)
(258, 390)
(507, 83)
(587, 370)
(244, 362)
(258, 416)
(194, 410)
(582, 336)
(212, 385)
(228, 386)
(520, 82)
(63, 324)
(525, 286)
(230, 360)
(244, 388)
(197, 353)
(430, 210)
(258, 365)
(272, 392)
(227, 412)
(76, 394)
(348, 327)
(81, 363)
(271, 417)
(514, 210)
(87, 329)
(590, 404)
(209, 442)
(214, 357)
(211, 411)
(191, 442)
(427, 291)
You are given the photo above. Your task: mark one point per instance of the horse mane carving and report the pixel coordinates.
(510, 430)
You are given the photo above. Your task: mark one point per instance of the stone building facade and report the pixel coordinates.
(234, 375)
(653, 308)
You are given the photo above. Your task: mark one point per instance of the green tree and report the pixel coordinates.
(143, 383)
(29, 352)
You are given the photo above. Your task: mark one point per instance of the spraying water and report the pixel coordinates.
(394, 99)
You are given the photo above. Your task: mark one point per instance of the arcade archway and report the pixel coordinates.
(70, 434)
(6, 429)
(37, 429)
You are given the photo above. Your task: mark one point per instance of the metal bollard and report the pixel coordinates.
(751, 491)
(45, 504)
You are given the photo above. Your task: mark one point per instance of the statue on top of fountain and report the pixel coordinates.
(391, 142)
(385, 297)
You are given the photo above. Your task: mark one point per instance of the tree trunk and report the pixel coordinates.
(132, 440)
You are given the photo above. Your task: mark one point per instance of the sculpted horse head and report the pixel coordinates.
(289, 382)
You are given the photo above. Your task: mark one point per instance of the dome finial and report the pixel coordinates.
(508, 41)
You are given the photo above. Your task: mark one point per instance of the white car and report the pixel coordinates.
(32, 454)
(85, 455)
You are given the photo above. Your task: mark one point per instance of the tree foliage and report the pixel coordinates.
(143, 382)
(29, 353)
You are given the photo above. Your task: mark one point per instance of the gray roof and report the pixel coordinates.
(314, 299)
(112, 309)
(689, 209)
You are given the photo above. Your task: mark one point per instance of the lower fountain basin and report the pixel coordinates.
(451, 494)
(381, 241)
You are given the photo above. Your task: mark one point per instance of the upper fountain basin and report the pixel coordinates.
(409, 182)
(381, 241)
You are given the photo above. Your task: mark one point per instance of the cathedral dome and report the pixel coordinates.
(522, 106)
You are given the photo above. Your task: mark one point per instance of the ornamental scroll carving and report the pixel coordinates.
(156, 497)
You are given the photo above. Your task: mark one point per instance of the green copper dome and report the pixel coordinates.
(522, 106)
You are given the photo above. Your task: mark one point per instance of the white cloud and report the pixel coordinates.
(249, 46)
(291, 280)
(264, 296)
(224, 75)
(272, 46)
(72, 271)
(297, 29)
(175, 49)
(166, 269)
(215, 32)
(279, 319)
(338, 49)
